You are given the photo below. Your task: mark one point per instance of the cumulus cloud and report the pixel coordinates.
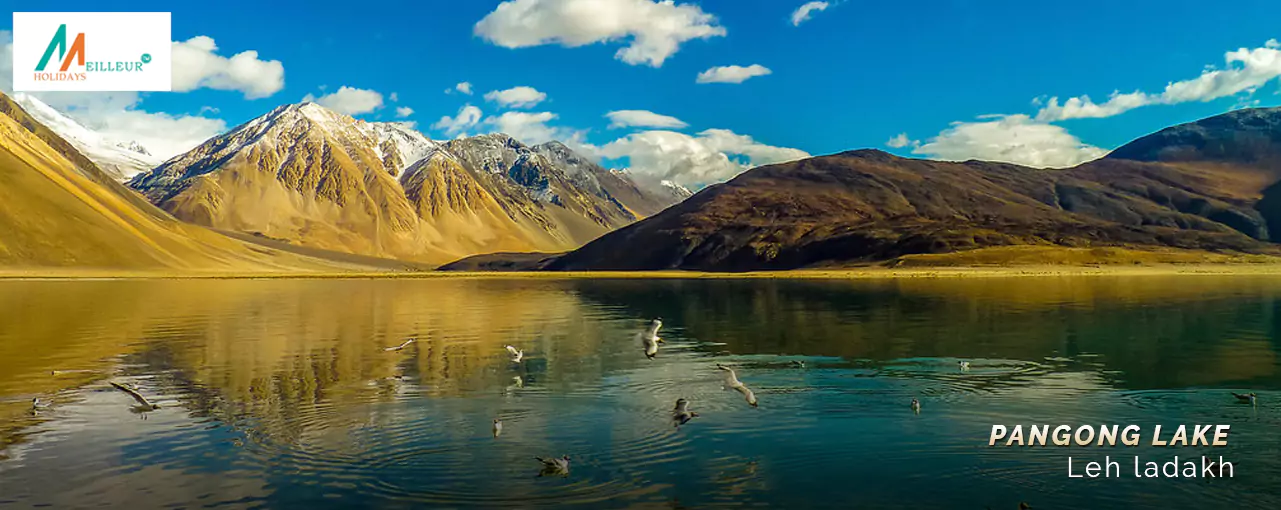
(119, 116)
(404, 111)
(467, 117)
(652, 30)
(732, 74)
(461, 88)
(1015, 139)
(1247, 70)
(516, 97)
(710, 156)
(196, 64)
(901, 140)
(642, 118)
(804, 12)
(349, 100)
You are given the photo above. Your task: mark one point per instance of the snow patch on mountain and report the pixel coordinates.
(120, 159)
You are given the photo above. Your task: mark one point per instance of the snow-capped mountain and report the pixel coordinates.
(121, 159)
(309, 175)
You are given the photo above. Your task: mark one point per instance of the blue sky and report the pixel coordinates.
(853, 75)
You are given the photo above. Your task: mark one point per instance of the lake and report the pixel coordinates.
(280, 393)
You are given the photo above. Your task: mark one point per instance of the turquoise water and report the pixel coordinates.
(280, 393)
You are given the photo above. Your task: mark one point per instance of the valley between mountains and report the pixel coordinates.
(303, 188)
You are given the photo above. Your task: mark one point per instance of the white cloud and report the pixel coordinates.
(711, 156)
(642, 118)
(653, 30)
(1247, 70)
(1083, 108)
(197, 65)
(462, 88)
(467, 117)
(732, 74)
(404, 111)
(118, 115)
(804, 12)
(516, 97)
(1012, 139)
(901, 140)
(349, 100)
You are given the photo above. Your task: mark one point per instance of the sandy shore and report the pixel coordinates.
(847, 273)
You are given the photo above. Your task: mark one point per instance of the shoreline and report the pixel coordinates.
(857, 273)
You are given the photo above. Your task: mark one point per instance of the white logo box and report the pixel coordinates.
(123, 51)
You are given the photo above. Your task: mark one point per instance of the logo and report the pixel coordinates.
(115, 51)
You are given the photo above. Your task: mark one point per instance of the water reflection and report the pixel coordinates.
(286, 392)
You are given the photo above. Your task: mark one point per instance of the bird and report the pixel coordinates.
(498, 427)
(36, 403)
(136, 396)
(517, 354)
(649, 338)
(916, 406)
(400, 347)
(682, 415)
(965, 365)
(1251, 397)
(731, 381)
(554, 466)
(518, 382)
(798, 363)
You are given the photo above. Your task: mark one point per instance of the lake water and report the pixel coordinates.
(280, 393)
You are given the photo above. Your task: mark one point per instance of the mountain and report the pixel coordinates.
(306, 175)
(120, 159)
(58, 209)
(1205, 186)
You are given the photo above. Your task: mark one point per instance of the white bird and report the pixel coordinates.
(517, 354)
(498, 427)
(518, 382)
(136, 396)
(554, 466)
(37, 404)
(965, 366)
(916, 406)
(731, 381)
(682, 415)
(649, 338)
(401, 346)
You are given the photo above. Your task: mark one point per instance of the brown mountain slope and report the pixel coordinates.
(59, 209)
(864, 206)
(306, 175)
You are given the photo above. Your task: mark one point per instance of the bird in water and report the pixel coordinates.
(916, 406)
(145, 404)
(682, 415)
(517, 354)
(965, 366)
(1251, 397)
(554, 466)
(400, 347)
(649, 338)
(731, 381)
(798, 364)
(517, 381)
(498, 427)
(37, 404)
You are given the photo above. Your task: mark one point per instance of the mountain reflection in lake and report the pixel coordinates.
(281, 393)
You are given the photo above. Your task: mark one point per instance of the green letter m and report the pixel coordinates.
(59, 43)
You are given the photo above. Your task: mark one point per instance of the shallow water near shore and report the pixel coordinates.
(279, 393)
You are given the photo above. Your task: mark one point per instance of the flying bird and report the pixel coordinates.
(400, 347)
(649, 338)
(498, 427)
(682, 415)
(554, 466)
(136, 396)
(1251, 397)
(517, 354)
(731, 381)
